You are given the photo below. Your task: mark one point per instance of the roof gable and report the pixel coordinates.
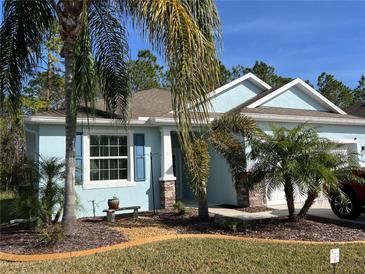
(296, 99)
(237, 92)
(297, 94)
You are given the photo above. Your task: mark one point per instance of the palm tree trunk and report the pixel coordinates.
(69, 216)
(203, 208)
(308, 203)
(289, 195)
(69, 14)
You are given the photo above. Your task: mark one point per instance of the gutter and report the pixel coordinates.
(161, 121)
(303, 119)
(95, 121)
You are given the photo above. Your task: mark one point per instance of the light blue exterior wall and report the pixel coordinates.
(234, 96)
(220, 184)
(296, 99)
(52, 144)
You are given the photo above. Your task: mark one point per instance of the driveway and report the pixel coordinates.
(319, 209)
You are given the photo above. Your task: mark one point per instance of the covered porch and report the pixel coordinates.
(174, 181)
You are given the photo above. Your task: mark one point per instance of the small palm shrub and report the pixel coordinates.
(299, 159)
(180, 208)
(48, 236)
(43, 195)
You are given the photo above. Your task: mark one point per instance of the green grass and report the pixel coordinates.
(205, 256)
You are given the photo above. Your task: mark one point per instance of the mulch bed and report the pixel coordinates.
(310, 229)
(91, 233)
(94, 232)
(247, 209)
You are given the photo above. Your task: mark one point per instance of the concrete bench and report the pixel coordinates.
(110, 213)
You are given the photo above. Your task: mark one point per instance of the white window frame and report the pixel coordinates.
(87, 183)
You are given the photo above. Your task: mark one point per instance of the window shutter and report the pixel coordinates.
(139, 158)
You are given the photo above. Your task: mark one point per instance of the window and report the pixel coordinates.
(108, 158)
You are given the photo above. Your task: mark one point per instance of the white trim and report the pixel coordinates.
(167, 178)
(166, 164)
(87, 183)
(83, 121)
(248, 76)
(306, 88)
(303, 119)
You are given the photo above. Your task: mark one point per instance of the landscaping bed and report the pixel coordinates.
(310, 229)
(18, 239)
(95, 232)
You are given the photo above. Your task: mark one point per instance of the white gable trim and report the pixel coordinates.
(306, 88)
(248, 76)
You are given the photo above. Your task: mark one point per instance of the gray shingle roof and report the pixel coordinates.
(357, 109)
(145, 103)
(157, 103)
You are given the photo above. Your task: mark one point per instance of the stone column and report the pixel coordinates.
(167, 178)
(257, 196)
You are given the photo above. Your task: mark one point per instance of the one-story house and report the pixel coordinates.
(143, 164)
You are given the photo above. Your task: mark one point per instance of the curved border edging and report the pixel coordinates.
(65, 255)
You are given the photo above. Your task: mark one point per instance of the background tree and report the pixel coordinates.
(334, 90)
(145, 72)
(359, 91)
(95, 51)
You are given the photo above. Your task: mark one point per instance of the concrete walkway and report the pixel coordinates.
(319, 209)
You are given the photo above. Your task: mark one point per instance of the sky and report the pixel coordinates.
(299, 38)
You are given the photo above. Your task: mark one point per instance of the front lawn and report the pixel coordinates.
(205, 256)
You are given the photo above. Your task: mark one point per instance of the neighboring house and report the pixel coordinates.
(143, 165)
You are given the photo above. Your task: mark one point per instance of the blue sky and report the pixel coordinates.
(299, 38)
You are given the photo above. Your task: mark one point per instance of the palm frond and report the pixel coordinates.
(205, 14)
(21, 35)
(232, 150)
(84, 72)
(173, 28)
(110, 47)
(236, 124)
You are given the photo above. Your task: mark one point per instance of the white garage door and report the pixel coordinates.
(277, 197)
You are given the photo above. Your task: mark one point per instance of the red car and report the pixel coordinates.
(354, 203)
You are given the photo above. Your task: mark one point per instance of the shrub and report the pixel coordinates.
(49, 236)
(235, 225)
(180, 208)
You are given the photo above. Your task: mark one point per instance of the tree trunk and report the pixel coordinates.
(69, 14)
(308, 203)
(289, 195)
(69, 216)
(203, 208)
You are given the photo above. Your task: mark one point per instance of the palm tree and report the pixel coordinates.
(95, 52)
(230, 135)
(197, 162)
(298, 158)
